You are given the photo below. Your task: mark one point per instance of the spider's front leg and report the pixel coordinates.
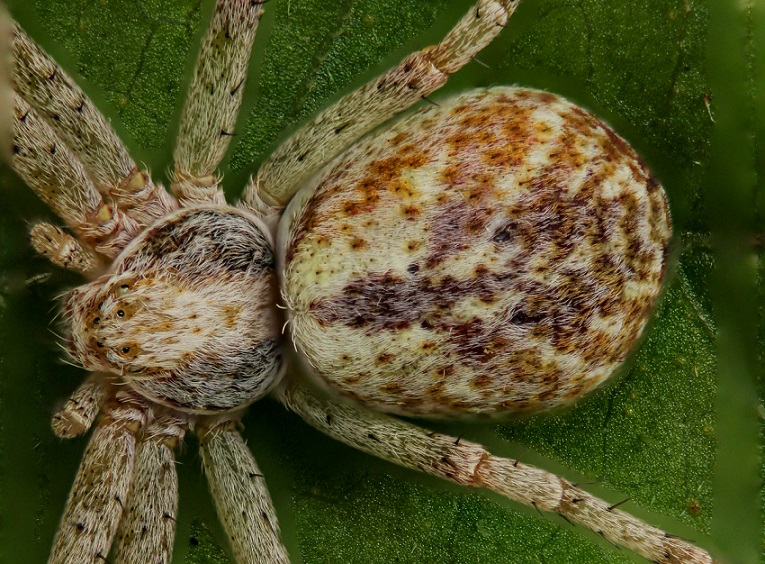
(359, 112)
(100, 489)
(470, 464)
(77, 122)
(240, 494)
(59, 179)
(213, 101)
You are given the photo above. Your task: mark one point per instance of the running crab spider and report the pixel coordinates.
(178, 324)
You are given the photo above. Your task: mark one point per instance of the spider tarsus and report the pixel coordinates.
(224, 133)
(457, 442)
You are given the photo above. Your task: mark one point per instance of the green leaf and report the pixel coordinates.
(652, 435)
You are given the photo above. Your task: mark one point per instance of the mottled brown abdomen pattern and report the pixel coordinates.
(500, 252)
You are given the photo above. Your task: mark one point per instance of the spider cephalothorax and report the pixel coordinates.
(496, 254)
(186, 315)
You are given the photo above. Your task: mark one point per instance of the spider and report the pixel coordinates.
(414, 266)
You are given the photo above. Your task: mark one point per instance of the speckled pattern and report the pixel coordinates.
(186, 315)
(500, 252)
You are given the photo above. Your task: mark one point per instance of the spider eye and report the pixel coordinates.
(121, 312)
(125, 350)
(96, 321)
(99, 344)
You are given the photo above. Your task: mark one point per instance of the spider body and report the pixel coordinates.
(185, 314)
(498, 253)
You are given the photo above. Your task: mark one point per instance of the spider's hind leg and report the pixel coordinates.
(470, 464)
(213, 101)
(147, 529)
(240, 495)
(100, 489)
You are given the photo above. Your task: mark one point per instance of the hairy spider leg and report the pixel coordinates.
(87, 133)
(241, 497)
(100, 489)
(335, 129)
(62, 249)
(213, 101)
(56, 175)
(469, 464)
(79, 412)
(147, 529)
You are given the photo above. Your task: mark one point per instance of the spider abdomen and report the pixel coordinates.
(500, 252)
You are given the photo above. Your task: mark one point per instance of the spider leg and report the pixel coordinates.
(469, 464)
(240, 494)
(57, 98)
(147, 528)
(62, 249)
(59, 179)
(335, 129)
(101, 486)
(213, 101)
(82, 407)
